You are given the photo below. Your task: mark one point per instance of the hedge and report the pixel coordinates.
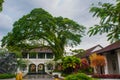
(6, 76)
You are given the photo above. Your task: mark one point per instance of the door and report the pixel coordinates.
(41, 69)
(32, 68)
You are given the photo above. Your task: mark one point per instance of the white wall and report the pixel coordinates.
(106, 66)
(118, 54)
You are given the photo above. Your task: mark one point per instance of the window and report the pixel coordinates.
(24, 55)
(41, 55)
(49, 55)
(32, 55)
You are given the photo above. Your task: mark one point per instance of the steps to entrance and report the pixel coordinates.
(38, 77)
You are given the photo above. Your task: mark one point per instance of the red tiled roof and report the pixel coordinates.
(90, 51)
(110, 47)
(41, 49)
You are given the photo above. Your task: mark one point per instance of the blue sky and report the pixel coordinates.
(77, 10)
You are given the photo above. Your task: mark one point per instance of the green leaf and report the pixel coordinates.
(109, 15)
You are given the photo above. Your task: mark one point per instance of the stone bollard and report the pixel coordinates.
(19, 76)
(56, 77)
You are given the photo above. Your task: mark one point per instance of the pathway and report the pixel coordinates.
(38, 77)
(35, 77)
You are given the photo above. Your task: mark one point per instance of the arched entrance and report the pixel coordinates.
(32, 68)
(41, 68)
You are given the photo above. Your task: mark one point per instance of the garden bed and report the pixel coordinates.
(6, 76)
(107, 76)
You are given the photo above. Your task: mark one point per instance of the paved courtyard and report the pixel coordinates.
(38, 77)
(43, 77)
(35, 77)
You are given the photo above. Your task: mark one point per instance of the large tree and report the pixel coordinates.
(39, 26)
(1, 2)
(79, 52)
(109, 15)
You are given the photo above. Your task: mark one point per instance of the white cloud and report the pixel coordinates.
(5, 24)
(5, 21)
(88, 42)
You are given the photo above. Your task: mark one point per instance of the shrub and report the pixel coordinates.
(88, 70)
(97, 62)
(6, 76)
(78, 76)
(70, 63)
(85, 67)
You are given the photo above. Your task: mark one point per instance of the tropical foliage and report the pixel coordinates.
(3, 51)
(78, 76)
(85, 66)
(40, 26)
(1, 3)
(80, 52)
(109, 15)
(97, 62)
(22, 64)
(84, 63)
(70, 64)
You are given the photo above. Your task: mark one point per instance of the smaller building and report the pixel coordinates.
(112, 54)
(89, 51)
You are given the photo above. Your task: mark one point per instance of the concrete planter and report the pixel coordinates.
(56, 73)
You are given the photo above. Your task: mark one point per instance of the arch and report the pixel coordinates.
(32, 68)
(41, 68)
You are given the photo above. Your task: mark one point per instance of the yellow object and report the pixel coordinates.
(19, 76)
(56, 79)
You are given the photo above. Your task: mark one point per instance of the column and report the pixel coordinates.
(37, 55)
(118, 55)
(106, 66)
(28, 56)
(27, 69)
(36, 68)
(45, 56)
(45, 66)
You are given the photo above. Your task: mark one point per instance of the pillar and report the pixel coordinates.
(118, 55)
(106, 66)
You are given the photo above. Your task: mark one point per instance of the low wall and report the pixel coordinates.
(109, 79)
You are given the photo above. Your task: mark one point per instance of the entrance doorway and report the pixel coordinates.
(41, 69)
(32, 68)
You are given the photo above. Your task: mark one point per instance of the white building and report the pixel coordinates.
(39, 60)
(112, 55)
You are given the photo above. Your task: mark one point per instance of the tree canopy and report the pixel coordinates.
(109, 15)
(1, 2)
(40, 26)
(80, 52)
